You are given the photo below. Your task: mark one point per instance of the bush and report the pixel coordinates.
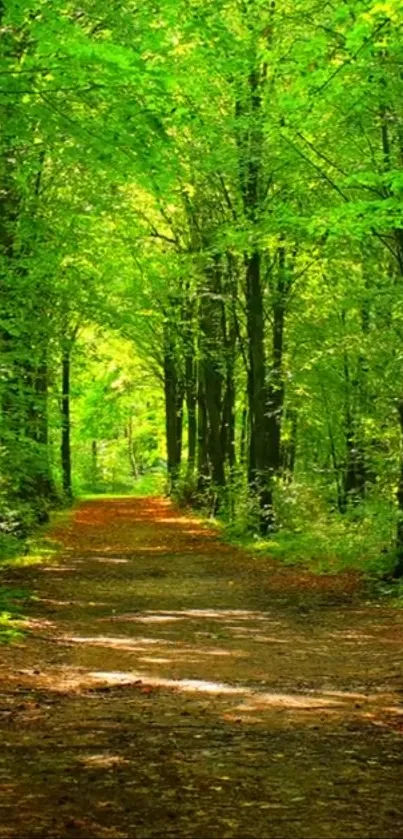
(17, 521)
(308, 533)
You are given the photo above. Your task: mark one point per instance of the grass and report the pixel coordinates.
(11, 618)
(327, 552)
(35, 550)
(325, 542)
(151, 484)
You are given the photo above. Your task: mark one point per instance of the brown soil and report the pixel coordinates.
(173, 686)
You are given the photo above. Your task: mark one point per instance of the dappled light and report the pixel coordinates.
(103, 761)
(150, 618)
(180, 650)
(108, 641)
(37, 624)
(254, 705)
(67, 679)
(110, 560)
(201, 419)
(349, 635)
(186, 520)
(186, 685)
(161, 657)
(151, 549)
(279, 700)
(54, 569)
(154, 660)
(220, 614)
(83, 604)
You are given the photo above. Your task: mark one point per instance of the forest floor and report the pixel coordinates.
(171, 685)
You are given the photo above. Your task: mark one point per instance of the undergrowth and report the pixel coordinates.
(310, 534)
(152, 483)
(16, 552)
(11, 617)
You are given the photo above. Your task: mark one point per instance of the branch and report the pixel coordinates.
(352, 57)
(315, 166)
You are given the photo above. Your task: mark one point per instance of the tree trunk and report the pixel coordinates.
(44, 483)
(243, 443)
(180, 395)
(173, 412)
(212, 363)
(354, 477)
(275, 399)
(250, 145)
(213, 395)
(66, 425)
(130, 447)
(398, 569)
(259, 463)
(94, 464)
(191, 406)
(228, 420)
(288, 447)
(229, 333)
(203, 469)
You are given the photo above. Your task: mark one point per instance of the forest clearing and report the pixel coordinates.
(201, 418)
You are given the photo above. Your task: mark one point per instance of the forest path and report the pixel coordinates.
(174, 686)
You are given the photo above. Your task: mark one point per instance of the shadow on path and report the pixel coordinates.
(171, 685)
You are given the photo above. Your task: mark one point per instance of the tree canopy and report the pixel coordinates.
(201, 259)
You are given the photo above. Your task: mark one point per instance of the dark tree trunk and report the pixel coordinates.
(398, 569)
(228, 420)
(292, 449)
(180, 395)
(211, 368)
(203, 469)
(259, 462)
(173, 412)
(398, 235)
(130, 446)
(250, 145)
(191, 407)
(354, 477)
(213, 395)
(66, 425)
(228, 436)
(288, 447)
(243, 443)
(94, 464)
(229, 334)
(337, 471)
(275, 398)
(44, 483)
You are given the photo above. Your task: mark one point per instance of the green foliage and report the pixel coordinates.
(327, 542)
(10, 614)
(149, 163)
(117, 416)
(16, 524)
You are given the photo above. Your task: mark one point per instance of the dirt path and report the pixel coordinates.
(172, 686)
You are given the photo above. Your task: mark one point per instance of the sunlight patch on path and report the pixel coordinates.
(215, 614)
(255, 699)
(119, 642)
(187, 685)
(258, 701)
(128, 644)
(103, 761)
